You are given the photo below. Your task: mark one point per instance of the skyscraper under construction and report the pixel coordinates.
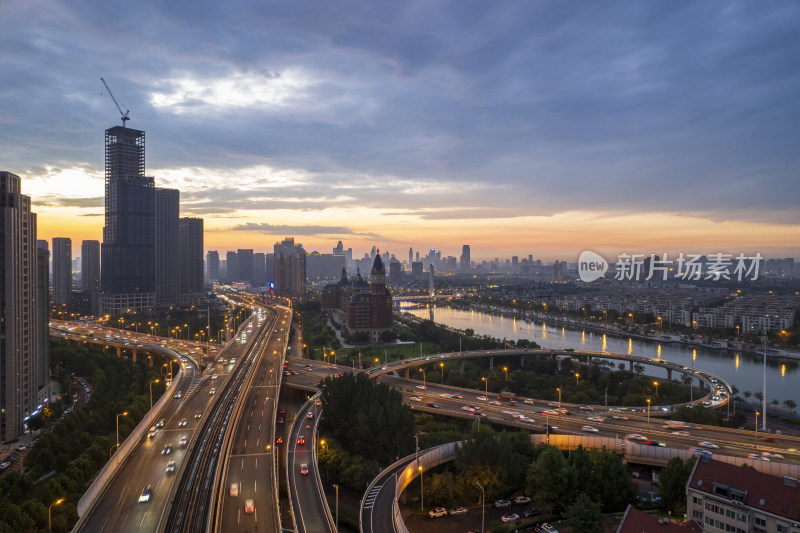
(128, 252)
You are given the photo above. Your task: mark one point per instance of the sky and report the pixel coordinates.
(519, 127)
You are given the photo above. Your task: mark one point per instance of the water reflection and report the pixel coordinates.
(745, 372)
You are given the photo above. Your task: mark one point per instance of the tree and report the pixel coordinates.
(585, 516)
(747, 395)
(790, 404)
(673, 484)
(759, 395)
(551, 479)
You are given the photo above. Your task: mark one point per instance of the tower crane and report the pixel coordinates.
(124, 115)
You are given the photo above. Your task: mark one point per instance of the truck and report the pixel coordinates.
(507, 396)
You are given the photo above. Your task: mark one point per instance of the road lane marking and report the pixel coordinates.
(143, 517)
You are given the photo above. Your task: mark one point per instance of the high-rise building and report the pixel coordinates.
(167, 213)
(395, 271)
(128, 250)
(90, 275)
(245, 258)
(259, 269)
(232, 267)
(212, 265)
(465, 262)
(62, 272)
(24, 361)
(410, 256)
(191, 261)
(290, 268)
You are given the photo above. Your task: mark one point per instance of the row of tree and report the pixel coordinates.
(66, 457)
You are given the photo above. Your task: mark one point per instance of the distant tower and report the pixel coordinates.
(410, 257)
(212, 265)
(62, 272)
(190, 253)
(431, 285)
(380, 299)
(465, 260)
(90, 274)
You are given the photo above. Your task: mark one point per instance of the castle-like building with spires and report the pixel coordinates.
(361, 306)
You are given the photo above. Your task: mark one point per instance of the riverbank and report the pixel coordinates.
(773, 352)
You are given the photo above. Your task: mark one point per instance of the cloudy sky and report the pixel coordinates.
(516, 127)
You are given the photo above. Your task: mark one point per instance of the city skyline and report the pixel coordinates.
(518, 129)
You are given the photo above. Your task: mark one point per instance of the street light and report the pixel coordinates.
(559, 397)
(483, 505)
(421, 490)
(49, 515)
(151, 391)
(416, 448)
(487, 387)
(755, 432)
(656, 384)
(577, 377)
(442, 365)
(336, 486)
(423, 378)
(119, 415)
(505, 369)
(648, 411)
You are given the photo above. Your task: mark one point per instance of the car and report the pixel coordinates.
(590, 429)
(772, 455)
(758, 457)
(654, 443)
(282, 412)
(620, 417)
(682, 433)
(513, 517)
(235, 487)
(415, 398)
(183, 441)
(232, 361)
(161, 423)
(5, 465)
(431, 404)
(636, 436)
(310, 414)
(171, 467)
(301, 440)
(531, 511)
(500, 504)
(249, 506)
(280, 420)
(457, 396)
(178, 395)
(151, 433)
(596, 419)
(304, 469)
(279, 440)
(482, 398)
(212, 391)
(167, 450)
(770, 439)
(528, 401)
(183, 423)
(458, 510)
(706, 444)
(144, 496)
(521, 500)
(495, 402)
(436, 513)
(214, 377)
(468, 408)
(586, 408)
(198, 414)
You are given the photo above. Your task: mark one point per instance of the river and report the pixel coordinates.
(743, 370)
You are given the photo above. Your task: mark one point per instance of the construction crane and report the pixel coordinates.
(124, 115)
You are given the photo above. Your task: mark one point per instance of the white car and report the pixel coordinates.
(183, 423)
(636, 436)
(513, 517)
(682, 433)
(706, 444)
(183, 441)
(212, 391)
(436, 513)
(178, 395)
(590, 429)
(596, 419)
(482, 398)
(415, 399)
(171, 467)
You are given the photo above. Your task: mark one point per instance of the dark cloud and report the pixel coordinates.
(683, 107)
(66, 201)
